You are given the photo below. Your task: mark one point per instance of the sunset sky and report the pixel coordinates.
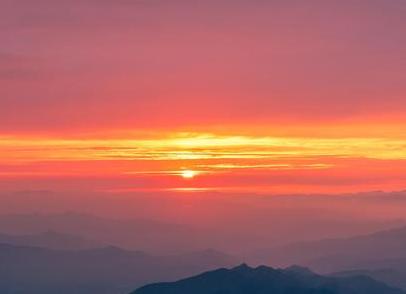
(215, 95)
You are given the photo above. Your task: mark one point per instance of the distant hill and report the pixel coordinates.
(109, 270)
(386, 244)
(381, 255)
(261, 280)
(138, 234)
(394, 277)
(50, 239)
(162, 237)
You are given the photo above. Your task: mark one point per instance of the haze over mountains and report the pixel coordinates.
(80, 253)
(80, 264)
(173, 223)
(380, 255)
(136, 234)
(244, 279)
(386, 244)
(51, 240)
(114, 255)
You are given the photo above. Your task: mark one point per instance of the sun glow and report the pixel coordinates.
(214, 157)
(188, 174)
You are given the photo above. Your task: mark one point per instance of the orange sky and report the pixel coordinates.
(262, 164)
(253, 96)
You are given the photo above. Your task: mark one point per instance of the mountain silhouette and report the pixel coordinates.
(264, 280)
(387, 244)
(380, 255)
(107, 270)
(132, 234)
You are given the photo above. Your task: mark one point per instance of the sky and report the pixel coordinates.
(242, 96)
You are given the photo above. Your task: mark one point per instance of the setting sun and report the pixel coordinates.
(188, 174)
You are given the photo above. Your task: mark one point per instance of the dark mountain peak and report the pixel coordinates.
(252, 271)
(264, 268)
(242, 268)
(294, 269)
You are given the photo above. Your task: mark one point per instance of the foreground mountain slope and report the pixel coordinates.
(262, 280)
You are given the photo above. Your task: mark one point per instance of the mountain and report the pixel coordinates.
(393, 277)
(138, 234)
(246, 280)
(165, 237)
(109, 270)
(388, 244)
(50, 239)
(380, 255)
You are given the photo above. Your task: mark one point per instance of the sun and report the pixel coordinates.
(188, 174)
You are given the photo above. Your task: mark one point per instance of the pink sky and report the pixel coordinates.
(325, 78)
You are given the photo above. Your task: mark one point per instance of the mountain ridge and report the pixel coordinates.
(262, 279)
